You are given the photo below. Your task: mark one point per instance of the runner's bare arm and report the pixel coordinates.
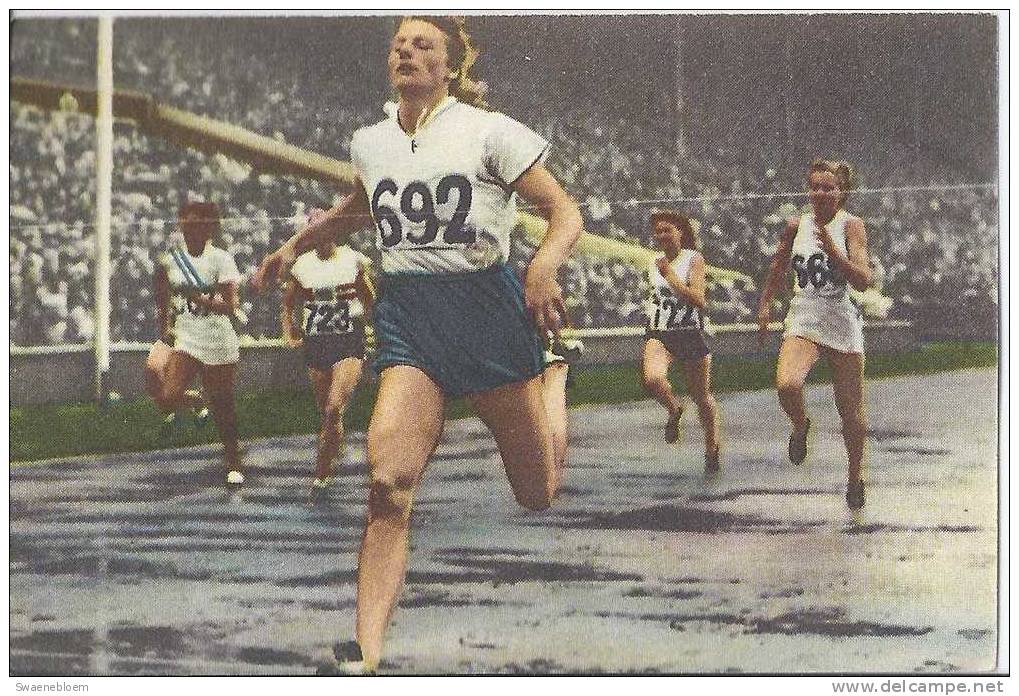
(365, 288)
(693, 292)
(776, 270)
(162, 296)
(542, 294)
(289, 333)
(855, 265)
(348, 216)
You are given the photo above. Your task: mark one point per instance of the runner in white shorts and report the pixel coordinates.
(196, 297)
(827, 251)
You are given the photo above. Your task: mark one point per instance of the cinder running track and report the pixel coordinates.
(145, 564)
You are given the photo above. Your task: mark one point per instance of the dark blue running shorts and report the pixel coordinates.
(470, 332)
(684, 345)
(322, 351)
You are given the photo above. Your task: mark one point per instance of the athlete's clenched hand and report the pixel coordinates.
(544, 299)
(268, 270)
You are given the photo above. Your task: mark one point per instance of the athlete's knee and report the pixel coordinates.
(788, 385)
(169, 397)
(651, 381)
(390, 496)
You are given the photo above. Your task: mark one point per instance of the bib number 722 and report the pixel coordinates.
(672, 306)
(417, 205)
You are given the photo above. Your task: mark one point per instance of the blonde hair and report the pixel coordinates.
(462, 56)
(843, 171)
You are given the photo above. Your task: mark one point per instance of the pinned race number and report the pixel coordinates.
(325, 318)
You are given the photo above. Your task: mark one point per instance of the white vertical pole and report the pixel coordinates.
(104, 190)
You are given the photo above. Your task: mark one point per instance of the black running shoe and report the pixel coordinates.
(672, 427)
(712, 461)
(347, 661)
(321, 488)
(854, 495)
(798, 445)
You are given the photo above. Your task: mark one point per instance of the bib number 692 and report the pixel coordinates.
(417, 206)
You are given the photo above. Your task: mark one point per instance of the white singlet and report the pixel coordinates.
(332, 300)
(207, 337)
(665, 310)
(821, 309)
(441, 199)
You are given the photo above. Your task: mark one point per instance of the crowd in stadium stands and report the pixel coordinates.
(935, 252)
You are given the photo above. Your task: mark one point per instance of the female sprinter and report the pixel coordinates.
(439, 179)
(196, 296)
(332, 286)
(827, 250)
(676, 329)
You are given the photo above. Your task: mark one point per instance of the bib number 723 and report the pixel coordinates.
(417, 205)
(327, 318)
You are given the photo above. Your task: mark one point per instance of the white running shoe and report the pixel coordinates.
(551, 358)
(563, 350)
(570, 348)
(202, 416)
(235, 478)
(347, 661)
